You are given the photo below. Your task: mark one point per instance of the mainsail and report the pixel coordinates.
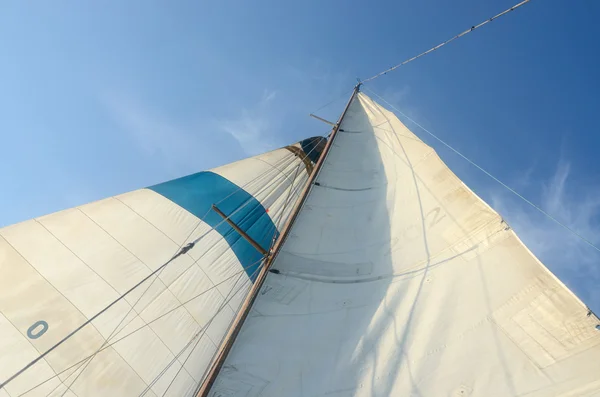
(394, 279)
(397, 280)
(92, 303)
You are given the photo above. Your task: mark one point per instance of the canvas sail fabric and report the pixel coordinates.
(397, 280)
(59, 270)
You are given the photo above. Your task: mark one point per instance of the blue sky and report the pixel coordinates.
(99, 98)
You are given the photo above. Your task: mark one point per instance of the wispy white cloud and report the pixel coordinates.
(575, 262)
(254, 127)
(154, 134)
(177, 145)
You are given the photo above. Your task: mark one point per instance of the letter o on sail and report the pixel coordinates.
(35, 331)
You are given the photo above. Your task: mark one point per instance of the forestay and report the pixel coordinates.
(397, 280)
(58, 271)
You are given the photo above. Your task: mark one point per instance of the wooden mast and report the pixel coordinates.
(235, 328)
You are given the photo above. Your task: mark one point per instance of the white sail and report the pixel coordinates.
(59, 271)
(397, 280)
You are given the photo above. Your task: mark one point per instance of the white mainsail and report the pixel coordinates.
(57, 272)
(397, 280)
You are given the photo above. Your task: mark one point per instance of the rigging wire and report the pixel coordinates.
(472, 28)
(582, 238)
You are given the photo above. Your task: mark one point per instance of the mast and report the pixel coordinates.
(269, 259)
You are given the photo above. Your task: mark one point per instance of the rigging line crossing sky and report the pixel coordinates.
(448, 41)
(585, 240)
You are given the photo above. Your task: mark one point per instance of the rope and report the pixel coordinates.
(449, 40)
(585, 240)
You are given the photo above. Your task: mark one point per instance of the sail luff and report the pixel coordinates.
(251, 297)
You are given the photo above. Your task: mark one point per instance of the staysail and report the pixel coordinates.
(397, 280)
(69, 326)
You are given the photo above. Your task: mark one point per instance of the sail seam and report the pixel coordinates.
(153, 300)
(68, 387)
(57, 290)
(188, 254)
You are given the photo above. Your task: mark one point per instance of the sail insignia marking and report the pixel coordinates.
(36, 327)
(198, 192)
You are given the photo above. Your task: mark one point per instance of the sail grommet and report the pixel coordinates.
(34, 335)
